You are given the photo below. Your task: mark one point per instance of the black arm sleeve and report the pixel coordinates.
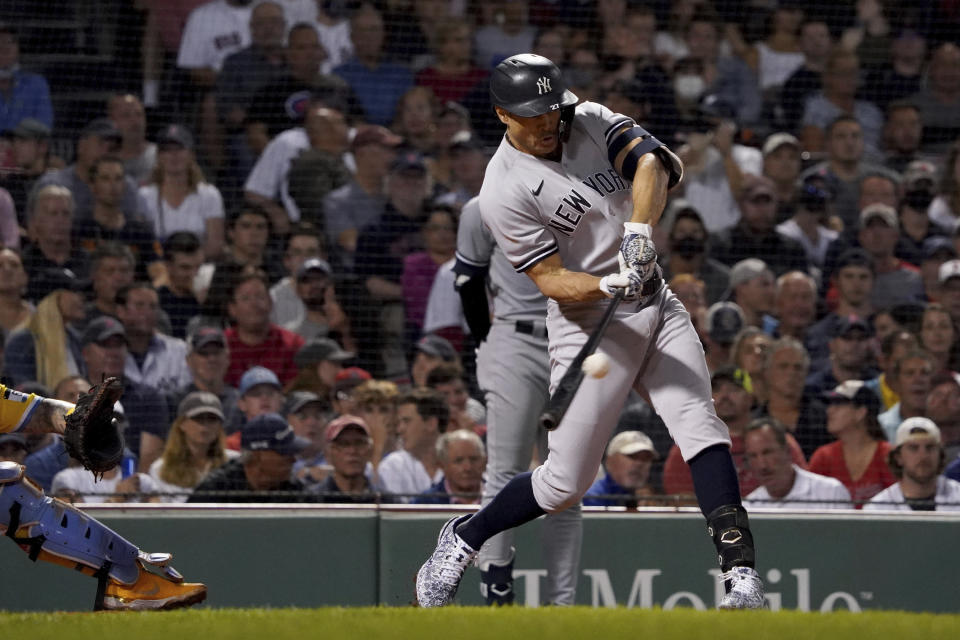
(476, 309)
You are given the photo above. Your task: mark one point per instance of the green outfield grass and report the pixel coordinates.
(457, 623)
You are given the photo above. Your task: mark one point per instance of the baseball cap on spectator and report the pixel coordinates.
(314, 264)
(730, 373)
(746, 270)
(454, 107)
(724, 321)
(437, 347)
(205, 335)
(918, 172)
(62, 278)
(31, 129)
(255, 376)
(855, 258)
(102, 128)
(270, 432)
(200, 403)
(754, 185)
(629, 443)
(777, 140)
(880, 211)
(175, 134)
(375, 134)
(336, 426)
(350, 378)
(102, 328)
(938, 247)
(916, 428)
(14, 438)
(409, 161)
(848, 324)
(949, 269)
(465, 141)
(856, 392)
(300, 399)
(319, 349)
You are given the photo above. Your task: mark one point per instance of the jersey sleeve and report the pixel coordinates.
(601, 124)
(517, 228)
(475, 244)
(16, 408)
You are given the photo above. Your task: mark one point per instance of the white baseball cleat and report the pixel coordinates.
(439, 577)
(746, 589)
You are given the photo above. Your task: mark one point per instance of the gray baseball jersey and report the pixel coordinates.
(515, 296)
(513, 370)
(576, 207)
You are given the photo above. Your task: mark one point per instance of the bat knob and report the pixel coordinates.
(549, 421)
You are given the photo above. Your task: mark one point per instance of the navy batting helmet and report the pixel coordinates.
(529, 85)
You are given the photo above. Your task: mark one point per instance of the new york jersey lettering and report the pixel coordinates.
(569, 212)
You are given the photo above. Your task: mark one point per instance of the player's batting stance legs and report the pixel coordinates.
(680, 393)
(52, 530)
(513, 369)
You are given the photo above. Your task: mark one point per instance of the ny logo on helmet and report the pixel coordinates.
(543, 86)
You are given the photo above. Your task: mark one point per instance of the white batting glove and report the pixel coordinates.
(628, 279)
(637, 251)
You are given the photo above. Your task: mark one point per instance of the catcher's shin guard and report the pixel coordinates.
(730, 530)
(55, 531)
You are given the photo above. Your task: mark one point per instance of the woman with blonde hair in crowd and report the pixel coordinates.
(749, 353)
(376, 402)
(14, 310)
(47, 348)
(178, 197)
(195, 447)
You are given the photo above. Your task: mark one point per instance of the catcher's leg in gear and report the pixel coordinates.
(52, 530)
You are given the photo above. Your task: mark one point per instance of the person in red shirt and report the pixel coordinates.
(733, 400)
(253, 339)
(858, 458)
(453, 75)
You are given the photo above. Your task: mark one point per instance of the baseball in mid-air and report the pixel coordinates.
(597, 365)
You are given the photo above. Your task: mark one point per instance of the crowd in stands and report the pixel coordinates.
(258, 239)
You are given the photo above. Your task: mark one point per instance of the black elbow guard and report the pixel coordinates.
(648, 144)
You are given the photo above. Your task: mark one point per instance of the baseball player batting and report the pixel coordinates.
(513, 370)
(570, 197)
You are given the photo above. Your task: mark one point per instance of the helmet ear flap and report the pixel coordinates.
(566, 122)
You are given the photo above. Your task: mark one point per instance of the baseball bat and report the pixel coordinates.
(562, 396)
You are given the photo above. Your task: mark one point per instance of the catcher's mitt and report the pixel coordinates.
(92, 435)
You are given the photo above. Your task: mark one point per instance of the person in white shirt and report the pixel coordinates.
(807, 225)
(917, 459)
(213, 31)
(178, 197)
(76, 484)
(422, 415)
(153, 358)
(783, 484)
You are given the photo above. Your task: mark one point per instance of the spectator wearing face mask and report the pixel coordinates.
(808, 225)
(916, 226)
(687, 241)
